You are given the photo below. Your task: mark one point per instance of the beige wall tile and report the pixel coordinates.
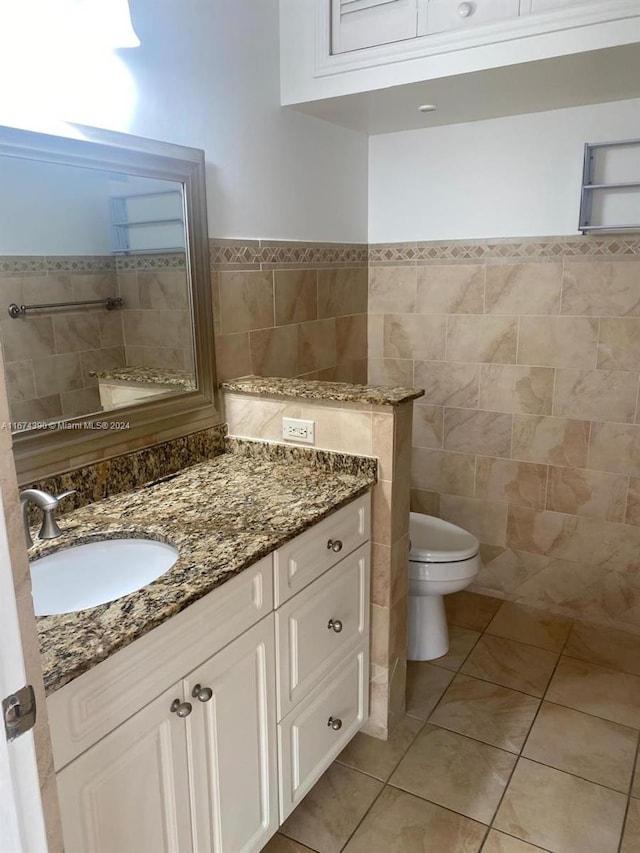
(398, 568)
(425, 501)
(171, 357)
(521, 483)
(392, 289)
(483, 339)
(595, 394)
(146, 328)
(75, 332)
(428, 426)
(232, 356)
(471, 431)
(391, 371)
(447, 384)
(274, 352)
(507, 388)
(20, 380)
(451, 289)
(316, 345)
(27, 338)
(555, 440)
(246, 301)
(487, 520)
(38, 409)
(340, 429)
(381, 512)
(163, 289)
(296, 296)
(417, 336)
(558, 341)
(619, 343)
(375, 335)
(523, 288)
(633, 502)
(46, 288)
(441, 471)
(400, 503)
(57, 373)
(80, 402)
(98, 285)
(601, 288)
(616, 448)
(590, 493)
(342, 291)
(351, 338)
(381, 575)
(382, 443)
(403, 429)
(505, 570)
(253, 418)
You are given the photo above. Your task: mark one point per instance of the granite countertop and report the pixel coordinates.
(223, 515)
(182, 379)
(345, 392)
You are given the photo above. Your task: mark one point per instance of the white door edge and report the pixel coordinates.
(22, 828)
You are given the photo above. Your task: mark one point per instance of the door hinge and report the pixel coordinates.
(19, 712)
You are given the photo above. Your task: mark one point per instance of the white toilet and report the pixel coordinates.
(443, 558)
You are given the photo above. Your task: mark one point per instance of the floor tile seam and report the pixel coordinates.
(624, 823)
(591, 714)
(574, 775)
(305, 846)
(385, 780)
(556, 651)
(518, 642)
(360, 822)
(593, 663)
(498, 684)
(551, 677)
(516, 752)
(468, 737)
(439, 805)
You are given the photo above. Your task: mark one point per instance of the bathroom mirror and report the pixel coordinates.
(105, 317)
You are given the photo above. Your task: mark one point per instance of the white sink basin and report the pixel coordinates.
(88, 575)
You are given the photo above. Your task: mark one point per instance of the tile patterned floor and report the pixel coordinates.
(523, 738)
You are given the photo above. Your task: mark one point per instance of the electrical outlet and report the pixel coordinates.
(295, 429)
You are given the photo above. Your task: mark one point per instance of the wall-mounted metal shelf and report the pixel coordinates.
(610, 199)
(147, 222)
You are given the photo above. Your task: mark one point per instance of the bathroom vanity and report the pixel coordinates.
(212, 712)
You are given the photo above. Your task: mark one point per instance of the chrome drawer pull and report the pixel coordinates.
(334, 545)
(182, 709)
(334, 625)
(335, 723)
(202, 694)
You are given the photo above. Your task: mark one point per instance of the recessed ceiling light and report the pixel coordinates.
(427, 108)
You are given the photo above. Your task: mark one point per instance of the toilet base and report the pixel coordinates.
(428, 636)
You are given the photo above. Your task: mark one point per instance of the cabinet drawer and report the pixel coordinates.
(309, 555)
(445, 15)
(92, 705)
(307, 742)
(309, 646)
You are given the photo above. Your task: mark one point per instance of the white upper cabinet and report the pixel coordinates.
(364, 23)
(438, 16)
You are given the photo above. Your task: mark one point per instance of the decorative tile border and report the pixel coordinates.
(43, 264)
(271, 254)
(161, 261)
(443, 251)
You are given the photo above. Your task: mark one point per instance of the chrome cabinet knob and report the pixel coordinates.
(334, 625)
(334, 545)
(202, 694)
(182, 709)
(465, 9)
(335, 723)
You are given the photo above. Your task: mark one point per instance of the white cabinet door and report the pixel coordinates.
(233, 744)
(365, 23)
(130, 792)
(443, 15)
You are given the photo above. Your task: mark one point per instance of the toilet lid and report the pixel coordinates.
(436, 541)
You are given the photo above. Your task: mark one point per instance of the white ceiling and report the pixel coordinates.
(583, 78)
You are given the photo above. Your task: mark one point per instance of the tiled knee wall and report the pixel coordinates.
(529, 433)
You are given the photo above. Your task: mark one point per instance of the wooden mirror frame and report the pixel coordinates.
(186, 412)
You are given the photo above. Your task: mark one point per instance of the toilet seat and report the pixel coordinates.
(455, 571)
(436, 541)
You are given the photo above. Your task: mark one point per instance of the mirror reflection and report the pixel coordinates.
(114, 242)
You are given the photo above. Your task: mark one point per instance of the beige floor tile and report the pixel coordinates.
(511, 664)
(595, 749)
(595, 690)
(461, 641)
(455, 772)
(498, 842)
(635, 787)
(470, 610)
(425, 686)
(560, 812)
(486, 712)
(631, 835)
(605, 646)
(402, 823)
(282, 844)
(380, 758)
(332, 809)
(530, 625)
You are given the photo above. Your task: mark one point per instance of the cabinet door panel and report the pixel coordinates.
(232, 740)
(130, 792)
(365, 23)
(445, 15)
(307, 646)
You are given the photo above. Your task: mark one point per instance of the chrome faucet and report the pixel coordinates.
(48, 503)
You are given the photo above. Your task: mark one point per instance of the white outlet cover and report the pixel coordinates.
(298, 430)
